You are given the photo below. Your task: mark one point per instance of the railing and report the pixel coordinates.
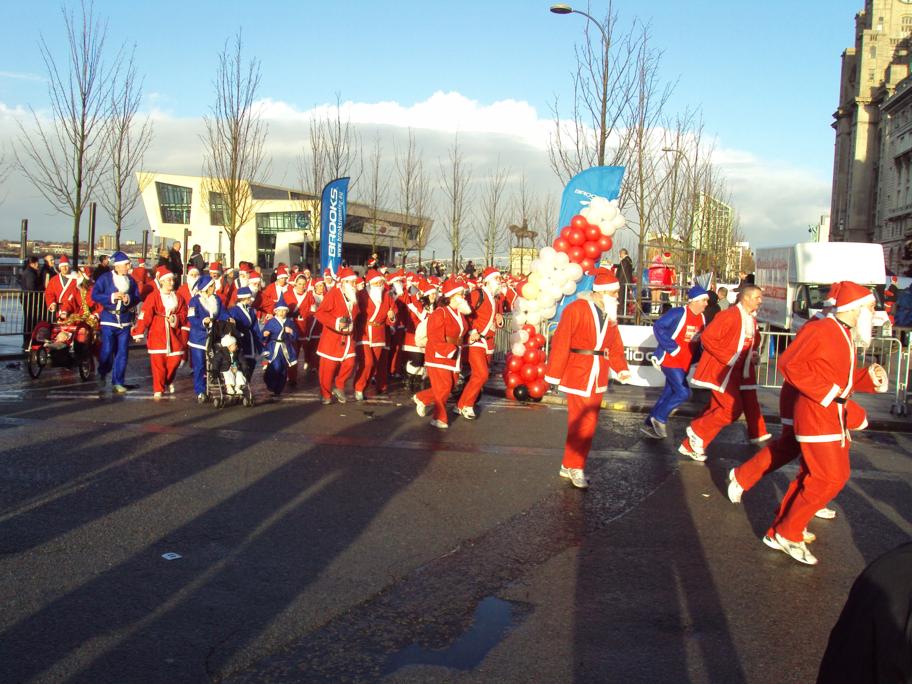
(19, 312)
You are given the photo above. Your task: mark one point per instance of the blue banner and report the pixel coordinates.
(599, 181)
(333, 204)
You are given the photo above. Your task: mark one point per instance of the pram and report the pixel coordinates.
(64, 344)
(216, 391)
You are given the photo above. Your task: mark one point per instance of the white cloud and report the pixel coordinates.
(776, 200)
(21, 76)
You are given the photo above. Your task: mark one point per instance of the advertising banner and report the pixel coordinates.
(333, 204)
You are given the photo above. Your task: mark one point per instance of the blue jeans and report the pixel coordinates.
(115, 345)
(198, 357)
(676, 392)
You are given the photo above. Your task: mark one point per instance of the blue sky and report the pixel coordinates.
(765, 74)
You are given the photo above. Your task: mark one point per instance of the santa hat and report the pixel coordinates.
(119, 258)
(281, 304)
(63, 261)
(227, 340)
(163, 272)
(605, 281)
(697, 292)
(425, 287)
(193, 269)
(215, 267)
(300, 276)
(140, 262)
(398, 275)
(327, 273)
(204, 282)
(254, 277)
(452, 287)
(373, 274)
(347, 274)
(244, 293)
(852, 296)
(489, 272)
(281, 272)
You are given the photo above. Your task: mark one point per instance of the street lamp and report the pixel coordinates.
(563, 8)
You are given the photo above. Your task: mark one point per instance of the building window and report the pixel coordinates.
(218, 212)
(906, 23)
(269, 224)
(174, 202)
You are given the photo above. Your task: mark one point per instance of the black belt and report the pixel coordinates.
(839, 400)
(589, 352)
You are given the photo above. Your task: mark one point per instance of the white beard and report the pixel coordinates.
(492, 290)
(122, 282)
(191, 282)
(610, 306)
(863, 331)
(376, 294)
(348, 291)
(397, 288)
(462, 306)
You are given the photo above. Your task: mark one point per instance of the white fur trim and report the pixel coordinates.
(832, 394)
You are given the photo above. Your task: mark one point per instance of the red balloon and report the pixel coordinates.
(537, 389)
(539, 340)
(576, 254)
(541, 370)
(562, 244)
(542, 356)
(515, 364)
(576, 237)
(605, 243)
(592, 250)
(531, 356)
(587, 264)
(533, 341)
(513, 379)
(579, 221)
(565, 232)
(593, 233)
(529, 328)
(529, 374)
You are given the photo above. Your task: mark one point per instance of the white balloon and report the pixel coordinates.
(561, 260)
(530, 290)
(546, 256)
(519, 319)
(569, 288)
(534, 318)
(548, 313)
(610, 211)
(555, 291)
(523, 336)
(520, 304)
(531, 305)
(516, 337)
(574, 272)
(607, 229)
(536, 266)
(518, 349)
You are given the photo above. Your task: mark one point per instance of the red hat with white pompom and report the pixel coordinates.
(605, 281)
(851, 295)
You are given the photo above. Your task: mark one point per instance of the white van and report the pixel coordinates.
(796, 279)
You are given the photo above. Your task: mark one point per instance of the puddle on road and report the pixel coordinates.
(493, 619)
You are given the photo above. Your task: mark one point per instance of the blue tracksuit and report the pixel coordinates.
(116, 320)
(668, 333)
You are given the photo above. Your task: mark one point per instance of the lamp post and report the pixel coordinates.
(562, 8)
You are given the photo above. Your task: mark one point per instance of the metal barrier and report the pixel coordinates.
(502, 344)
(20, 311)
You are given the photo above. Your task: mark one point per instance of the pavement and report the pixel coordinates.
(150, 541)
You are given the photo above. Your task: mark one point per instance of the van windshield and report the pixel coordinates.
(817, 293)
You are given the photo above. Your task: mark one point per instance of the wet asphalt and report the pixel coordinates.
(356, 543)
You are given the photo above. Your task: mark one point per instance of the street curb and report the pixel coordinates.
(689, 410)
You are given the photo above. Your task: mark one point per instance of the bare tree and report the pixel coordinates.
(234, 140)
(311, 179)
(547, 216)
(127, 142)
(422, 206)
(376, 191)
(493, 207)
(455, 182)
(342, 146)
(63, 158)
(6, 168)
(408, 170)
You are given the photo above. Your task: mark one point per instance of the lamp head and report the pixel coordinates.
(561, 8)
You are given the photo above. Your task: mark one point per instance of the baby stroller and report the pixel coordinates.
(64, 344)
(216, 390)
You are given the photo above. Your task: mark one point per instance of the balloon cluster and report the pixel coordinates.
(524, 374)
(553, 275)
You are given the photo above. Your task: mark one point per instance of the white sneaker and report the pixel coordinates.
(688, 449)
(359, 396)
(649, 432)
(771, 542)
(761, 439)
(229, 390)
(439, 424)
(467, 412)
(797, 550)
(156, 395)
(419, 407)
(339, 395)
(808, 537)
(735, 490)
(695, 442)
(171, 389)
(825, 514)
(576, 476)
(660, 428)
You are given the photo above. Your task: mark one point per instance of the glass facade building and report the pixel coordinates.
(174, 202)
(269, 224)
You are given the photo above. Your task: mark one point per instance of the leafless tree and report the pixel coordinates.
(235, 137)
(547, 215)
(342, 146)
(376, 190)
(493, 207)
(311, 179)
(455, 182)
(127, 141)
(408, 170)
(422, 207)
(63, 158)
(6, 168)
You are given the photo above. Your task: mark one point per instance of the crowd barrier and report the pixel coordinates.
(19, 313)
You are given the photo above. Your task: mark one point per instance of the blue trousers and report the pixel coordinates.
(115, 345)
(676, 392)
(198, 359)
(276, 374)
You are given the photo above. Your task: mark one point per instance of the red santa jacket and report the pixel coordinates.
(483, 318)
(162, 337)
(270, 295)
(581, 329)
(727, 342)
(73, 305)
(820, 364)
(416, 314)
(446, 329)
(60, 289)
(372, 319)
(300, 311)
(334, 345)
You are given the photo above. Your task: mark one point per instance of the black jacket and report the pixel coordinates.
(223, 359)
(30, 281)
(625, 270)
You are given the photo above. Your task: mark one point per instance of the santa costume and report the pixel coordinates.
(163, 314)
(585, 345)
(297, 297)
(375, 313)
(204, 310)
(247, 327)
(118, 296)
(274, 292)
(485, 319)
(61, 288)
(336, 348)
(279, 337)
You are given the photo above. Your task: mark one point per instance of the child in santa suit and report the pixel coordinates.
(821, 365)
(249, 338)
(585, 345)
(227, 362)
(279, 335)
(446, 331)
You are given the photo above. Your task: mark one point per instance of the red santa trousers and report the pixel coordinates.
(439, 391)
(756, 426)
(724, 408)
(313, 361)
(338, 371)
(395, 359)
(823, 473)
(164, 368)
(478, 363)
(292, 373)
(370, 361)
(772, 457)
(582, 420)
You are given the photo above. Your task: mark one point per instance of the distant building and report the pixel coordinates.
(106, 243)
(175, 204)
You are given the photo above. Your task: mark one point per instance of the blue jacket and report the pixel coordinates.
(115, 314)
(250, 339)
(279, 342)
(196, 312)
(666, 330)
(903, 314)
